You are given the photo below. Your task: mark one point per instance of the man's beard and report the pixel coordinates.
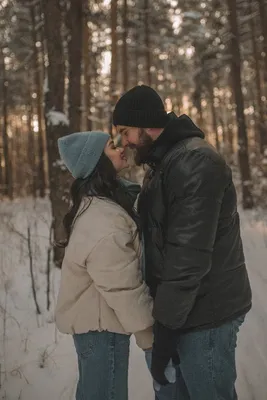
(142, 150)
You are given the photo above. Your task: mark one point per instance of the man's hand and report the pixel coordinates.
(164, 349)
(158, 367)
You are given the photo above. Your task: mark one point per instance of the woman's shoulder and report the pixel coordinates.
(97, 220)
(107, 215)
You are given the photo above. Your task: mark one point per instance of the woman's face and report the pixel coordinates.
(116, 156)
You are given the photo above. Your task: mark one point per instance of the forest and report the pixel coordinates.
(64, 64)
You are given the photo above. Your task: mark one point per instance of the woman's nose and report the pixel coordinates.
(121, 150)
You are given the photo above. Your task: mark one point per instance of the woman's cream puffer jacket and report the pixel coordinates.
(101, 285)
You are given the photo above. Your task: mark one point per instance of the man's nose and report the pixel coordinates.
(124, 141)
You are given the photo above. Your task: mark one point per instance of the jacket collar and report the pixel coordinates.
(177, 130)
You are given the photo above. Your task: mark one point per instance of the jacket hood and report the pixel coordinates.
(177, 130)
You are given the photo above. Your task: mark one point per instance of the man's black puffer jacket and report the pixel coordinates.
(195, 264)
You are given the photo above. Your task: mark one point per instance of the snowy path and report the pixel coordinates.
(39, 364)
(252, 350)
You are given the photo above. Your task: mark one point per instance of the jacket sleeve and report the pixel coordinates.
(194, 189)
(113, 265)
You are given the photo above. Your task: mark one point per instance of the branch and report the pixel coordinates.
(31, 271)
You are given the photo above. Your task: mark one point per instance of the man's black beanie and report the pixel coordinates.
(140, 107)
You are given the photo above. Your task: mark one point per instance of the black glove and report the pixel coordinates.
(164, 349)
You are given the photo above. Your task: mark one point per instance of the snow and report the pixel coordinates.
(56, 118)
(45, 87)
(38, 363)
(192, 14)
(60, 164)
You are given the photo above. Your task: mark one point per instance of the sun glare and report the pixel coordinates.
(106, 62)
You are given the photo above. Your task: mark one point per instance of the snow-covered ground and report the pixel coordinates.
(37, 363)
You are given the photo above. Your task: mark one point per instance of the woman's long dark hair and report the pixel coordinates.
(102, 183)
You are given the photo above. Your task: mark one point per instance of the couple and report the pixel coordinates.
(172, 273)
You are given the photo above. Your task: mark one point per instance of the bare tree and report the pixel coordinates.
(239, 100)
(147, 41)
(74, 18)
(125, 45)
(56, 122)
(263, 20)
(31, 146)
(87, 68)
(8, 177)
(37, 69)
(114, 58)
(210, 88)
(260, 107)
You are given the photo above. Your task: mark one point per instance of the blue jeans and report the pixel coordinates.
(103, 365)
(207, 370)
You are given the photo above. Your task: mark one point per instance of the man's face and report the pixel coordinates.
(136, 139)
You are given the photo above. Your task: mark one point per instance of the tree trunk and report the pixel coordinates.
(18, 178)
(43, 81)
(8, 176)
(136, 44)
(198, 105)
(75, 25)
(114, 59)
(125, 46)
(39, 99)
(239, 100)
(87, 70)
(31, 141)
(1, 173)
(227, 134)
(147, 42)
(263, 20)
(262, 133)
(213, 114)
(56, 121)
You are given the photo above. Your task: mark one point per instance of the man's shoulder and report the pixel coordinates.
(194, 150)
(196, 160)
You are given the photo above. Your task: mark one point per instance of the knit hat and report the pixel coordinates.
(81, 151)
(140, 107)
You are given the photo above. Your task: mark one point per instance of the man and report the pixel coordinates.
(195, 266)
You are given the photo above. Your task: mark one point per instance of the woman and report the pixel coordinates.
(102, 297)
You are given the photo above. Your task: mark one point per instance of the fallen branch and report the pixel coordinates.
(38, 311)
(48, 267)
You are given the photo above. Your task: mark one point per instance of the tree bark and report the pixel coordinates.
(39, 101)
(147, 42)
(125, 46)
(56, 122)
(75, 25)
(239, 100)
